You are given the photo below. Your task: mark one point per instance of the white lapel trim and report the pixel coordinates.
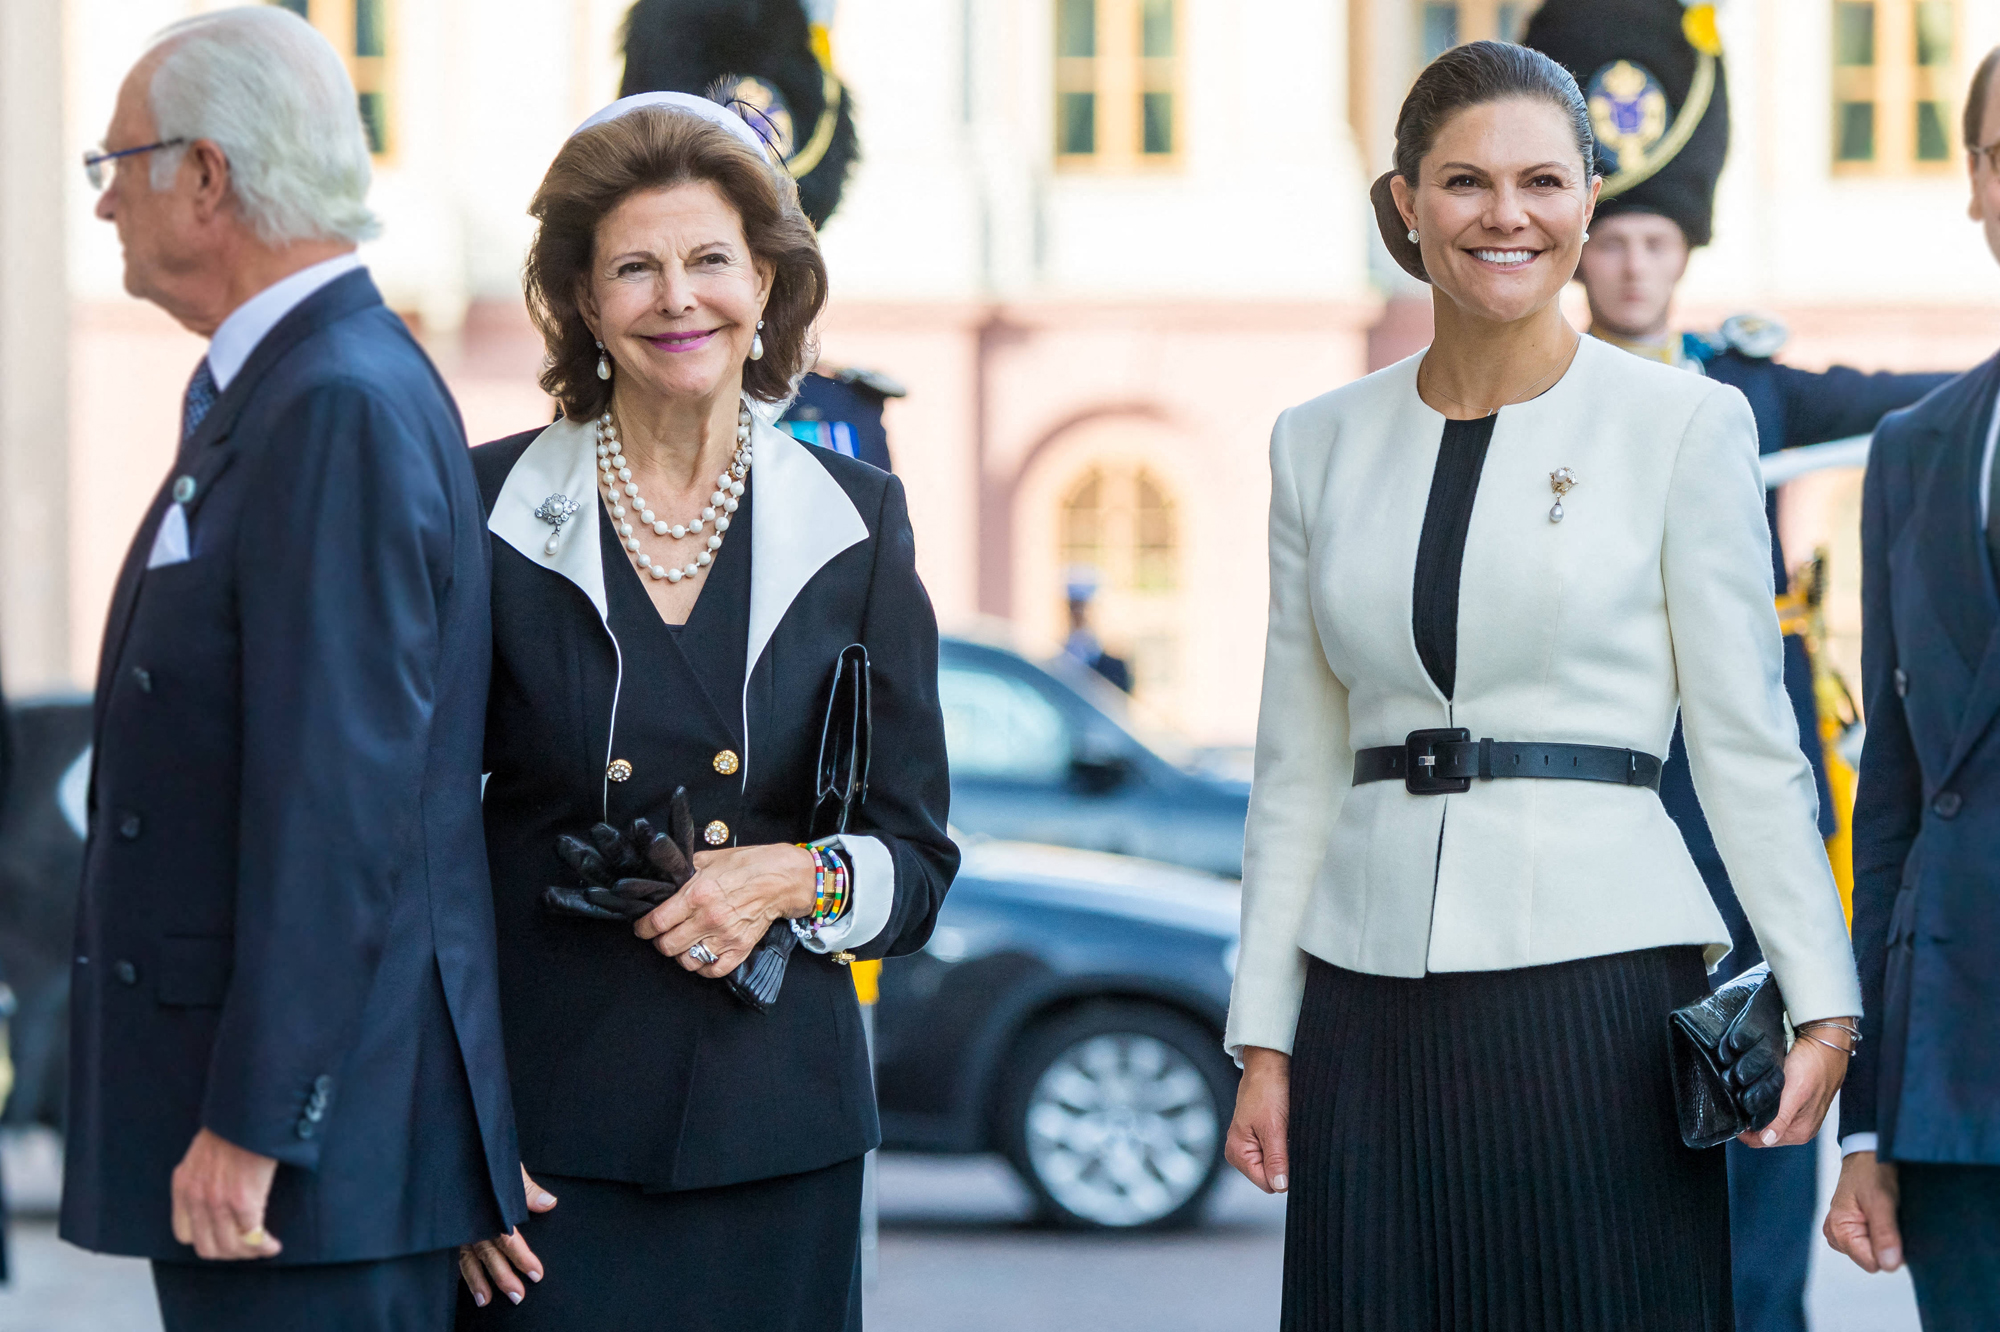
(803, 519)
(561, 461)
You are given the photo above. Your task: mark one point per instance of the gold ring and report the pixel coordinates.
(254, 1238)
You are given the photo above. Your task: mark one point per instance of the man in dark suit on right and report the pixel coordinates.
(1920, 1115)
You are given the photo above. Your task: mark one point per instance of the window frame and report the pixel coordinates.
(1894, 85)
(1119, 75)
(1475, 21)
(335, 20)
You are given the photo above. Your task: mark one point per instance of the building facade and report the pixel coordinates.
(1103, 243)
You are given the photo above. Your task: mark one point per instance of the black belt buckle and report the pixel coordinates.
(1421, 762)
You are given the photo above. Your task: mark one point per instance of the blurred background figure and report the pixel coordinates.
(1082, 645)
(775, 59)
(1653, 75)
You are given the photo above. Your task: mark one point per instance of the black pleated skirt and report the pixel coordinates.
(1497, 1151)
(772, 1255)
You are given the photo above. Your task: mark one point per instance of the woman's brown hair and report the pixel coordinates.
(648, 149)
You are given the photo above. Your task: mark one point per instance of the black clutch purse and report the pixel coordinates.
(1729, 1059)
(846, 738)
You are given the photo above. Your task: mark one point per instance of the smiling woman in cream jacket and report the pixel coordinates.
(1516, 555)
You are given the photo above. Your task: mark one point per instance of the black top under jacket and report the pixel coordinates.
(1441, 547)
(626, 1066)
(285, 932)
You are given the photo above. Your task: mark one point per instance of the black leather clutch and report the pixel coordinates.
(1729, 1059)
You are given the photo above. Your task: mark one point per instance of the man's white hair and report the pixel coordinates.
(263, 85)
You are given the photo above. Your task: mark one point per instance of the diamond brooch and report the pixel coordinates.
(555, 511)
(1562, 481)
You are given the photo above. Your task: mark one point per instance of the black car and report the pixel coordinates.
(41, 864)
(1068, 1012)
(1044, 754)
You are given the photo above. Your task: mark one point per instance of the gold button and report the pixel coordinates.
(726, 763)
(619, 770)
(716, 833)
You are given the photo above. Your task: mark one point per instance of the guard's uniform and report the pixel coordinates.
(1653, 81)
(842, 410)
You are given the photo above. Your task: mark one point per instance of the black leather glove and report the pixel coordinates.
(1756, 1072)
(625, 874)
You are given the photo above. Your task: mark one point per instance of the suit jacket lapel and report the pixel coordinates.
(804, 519)
(124, 597)
(1952, 552)
(205, 455)
(1951, 545)
(562, 460)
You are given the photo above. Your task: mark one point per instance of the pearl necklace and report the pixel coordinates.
(622, 493)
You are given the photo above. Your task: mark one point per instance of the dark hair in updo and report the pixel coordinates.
(1467, 76)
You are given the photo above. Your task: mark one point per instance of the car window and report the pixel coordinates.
(999, 726)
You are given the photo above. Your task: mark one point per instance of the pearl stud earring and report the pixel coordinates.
(1413, 235)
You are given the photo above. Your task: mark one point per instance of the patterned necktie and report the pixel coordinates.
(200, 396)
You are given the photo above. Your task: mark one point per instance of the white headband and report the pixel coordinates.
(685, 103)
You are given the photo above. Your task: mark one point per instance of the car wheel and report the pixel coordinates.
(1114, 1116)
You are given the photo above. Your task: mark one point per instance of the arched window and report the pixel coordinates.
(1120, 521)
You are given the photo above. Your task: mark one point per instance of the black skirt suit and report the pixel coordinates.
(705, 1156)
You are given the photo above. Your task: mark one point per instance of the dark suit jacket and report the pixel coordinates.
(285, 933)
(1793, 408)
(626, 1067)
(1927, 815)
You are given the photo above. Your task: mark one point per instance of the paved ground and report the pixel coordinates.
(956, 1255)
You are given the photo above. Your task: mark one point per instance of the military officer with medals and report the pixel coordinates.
(774, 60)
(1652, 75)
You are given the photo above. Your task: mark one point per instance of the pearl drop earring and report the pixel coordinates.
(603, 363)
(757, 342)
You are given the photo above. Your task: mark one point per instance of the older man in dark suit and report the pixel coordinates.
(287, 1082)
(1920, 1116)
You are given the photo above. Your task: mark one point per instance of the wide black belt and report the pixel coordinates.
(1446, 762)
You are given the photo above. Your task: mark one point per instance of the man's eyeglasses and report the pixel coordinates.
(1991, 152)
(93, 163)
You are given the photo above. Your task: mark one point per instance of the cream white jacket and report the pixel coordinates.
(1654, 592)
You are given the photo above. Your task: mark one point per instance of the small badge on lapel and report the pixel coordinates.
(555, 511)
(1562, 481)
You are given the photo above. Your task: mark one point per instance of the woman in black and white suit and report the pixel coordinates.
(1452, 997)
(674, 580)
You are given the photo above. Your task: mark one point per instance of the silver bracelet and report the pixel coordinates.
(1806, 1035)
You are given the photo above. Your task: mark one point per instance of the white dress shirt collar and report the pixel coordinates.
(247, 324)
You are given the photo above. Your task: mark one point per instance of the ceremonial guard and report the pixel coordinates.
(1652, 74)
(775, 59)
